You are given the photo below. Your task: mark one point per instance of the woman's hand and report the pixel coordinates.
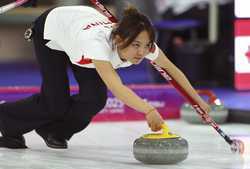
(205, 106)
(154, 120)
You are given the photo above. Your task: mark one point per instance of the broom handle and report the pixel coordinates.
(204, 115)
(12, 5)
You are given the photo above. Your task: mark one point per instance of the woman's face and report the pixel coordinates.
(137, 50)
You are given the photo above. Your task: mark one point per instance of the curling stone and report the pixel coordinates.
(218, 112)
(160, 148)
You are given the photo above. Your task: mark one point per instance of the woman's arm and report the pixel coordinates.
(177, 74)
(126, 95)
(122, 92)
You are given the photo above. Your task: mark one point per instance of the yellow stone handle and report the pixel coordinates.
(165, 134)
(165, 129)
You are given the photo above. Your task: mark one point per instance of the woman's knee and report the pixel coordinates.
(58, 110)
(101, 102)
(95, 103)
(94, 107)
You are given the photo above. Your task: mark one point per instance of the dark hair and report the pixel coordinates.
(131, 25)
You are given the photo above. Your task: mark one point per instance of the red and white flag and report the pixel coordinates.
(242, 54)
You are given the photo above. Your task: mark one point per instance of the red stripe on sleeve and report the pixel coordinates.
(84, 61)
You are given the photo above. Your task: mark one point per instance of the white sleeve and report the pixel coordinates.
(154, 53)
(53, 45)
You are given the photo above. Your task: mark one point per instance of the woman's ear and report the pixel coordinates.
(118, 40)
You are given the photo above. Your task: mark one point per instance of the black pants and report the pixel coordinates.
(53, 110)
